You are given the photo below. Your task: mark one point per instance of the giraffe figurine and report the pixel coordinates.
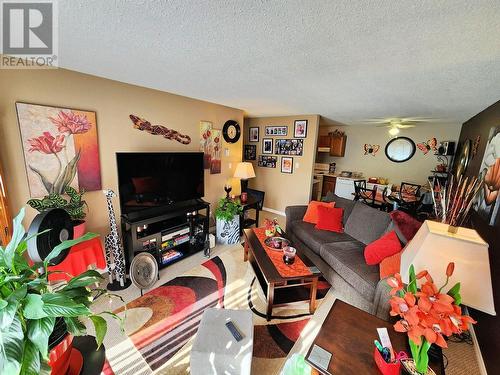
(113, 245)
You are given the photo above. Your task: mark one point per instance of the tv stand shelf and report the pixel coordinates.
(170, 234)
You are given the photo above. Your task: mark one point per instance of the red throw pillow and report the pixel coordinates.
(311, 215)
(330, 218)
(390, 265)
(382, 248)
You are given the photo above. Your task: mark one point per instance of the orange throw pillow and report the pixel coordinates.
(390, 265)
(311, 215)
(330, 218)
(382, 248)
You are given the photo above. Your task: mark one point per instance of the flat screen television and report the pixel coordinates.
(149, 180)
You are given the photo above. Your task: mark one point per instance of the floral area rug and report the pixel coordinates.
(161, 325)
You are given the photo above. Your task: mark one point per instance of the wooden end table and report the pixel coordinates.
(348, 334)
(279, 290)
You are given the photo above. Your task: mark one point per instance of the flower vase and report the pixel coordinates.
(419, 364)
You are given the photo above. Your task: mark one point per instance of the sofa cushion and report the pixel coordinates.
(314, 238)
(340, 202)
(366, 223)
(347, 259)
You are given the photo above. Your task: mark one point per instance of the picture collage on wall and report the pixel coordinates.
(270, 146)
(267, 161)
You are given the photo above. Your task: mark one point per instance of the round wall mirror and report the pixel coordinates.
(400, 149)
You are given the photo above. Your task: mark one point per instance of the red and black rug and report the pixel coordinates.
(161, 325)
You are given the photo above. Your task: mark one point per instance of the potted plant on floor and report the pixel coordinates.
(227, 215)
(74, 206)
(38, 321)
(427, 315)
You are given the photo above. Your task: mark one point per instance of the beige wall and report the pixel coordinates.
(113, 101)
(414, 170)
(284, 189)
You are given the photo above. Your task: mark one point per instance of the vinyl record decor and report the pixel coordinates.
(60, 228)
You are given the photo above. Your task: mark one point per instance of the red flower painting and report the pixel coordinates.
(60, 148)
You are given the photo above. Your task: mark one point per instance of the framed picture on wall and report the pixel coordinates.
(286, 164)
(267, 161)
(253, 134)
(289, 147)
(300, 129)
(250, 152)
(267, 146)
(277, 130)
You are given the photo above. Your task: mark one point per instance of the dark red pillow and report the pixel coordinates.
(384, 247)
(330, 218)
(406, 224)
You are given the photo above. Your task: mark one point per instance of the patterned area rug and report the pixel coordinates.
(161, 325)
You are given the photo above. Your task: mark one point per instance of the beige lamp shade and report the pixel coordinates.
(433, 247)
(244, 171)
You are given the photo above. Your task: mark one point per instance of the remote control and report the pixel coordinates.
(234, 331)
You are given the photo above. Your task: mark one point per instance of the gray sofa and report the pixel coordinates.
(340, 256)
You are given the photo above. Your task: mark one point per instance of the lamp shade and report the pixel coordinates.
(433, 247)
(244, 170)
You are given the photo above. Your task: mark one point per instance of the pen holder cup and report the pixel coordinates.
(384, 367)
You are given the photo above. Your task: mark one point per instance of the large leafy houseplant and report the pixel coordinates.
(227, 209)
(30, 306)
(426, 313)
(75, 206)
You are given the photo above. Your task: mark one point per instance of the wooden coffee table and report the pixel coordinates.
(348, 334)
(279, 290)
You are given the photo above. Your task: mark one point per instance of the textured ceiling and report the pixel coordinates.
(344, 60)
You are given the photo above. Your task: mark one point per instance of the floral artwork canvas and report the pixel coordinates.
(487, 203)
(215, 160)
(60, 148)
(206, 142)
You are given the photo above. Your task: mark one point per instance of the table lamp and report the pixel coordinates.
(433, 247)
(244, 171)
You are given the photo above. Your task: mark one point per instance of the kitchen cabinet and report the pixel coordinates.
(328, 185)
(324, 141)
(337, 145)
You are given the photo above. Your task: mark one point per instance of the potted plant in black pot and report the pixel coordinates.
(227, 215)
(38, 321)
(74, 206)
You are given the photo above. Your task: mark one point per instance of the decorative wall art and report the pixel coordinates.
(60, 148)
(267, 146)
(289, 147)
(250, 152)
(277, 130)
(286, 164)
(475, 146)
(487, 202)
(371, 149)
(253, 134)
(425, 147)
(170, 134)
(267, 161)
(205, 142)
(215, 160)
(300, 129)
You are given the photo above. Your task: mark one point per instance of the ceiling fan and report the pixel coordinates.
(394, 124)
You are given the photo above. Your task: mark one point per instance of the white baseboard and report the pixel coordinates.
(281, 213)
(477, 350)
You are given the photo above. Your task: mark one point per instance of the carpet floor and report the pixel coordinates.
(161, 325)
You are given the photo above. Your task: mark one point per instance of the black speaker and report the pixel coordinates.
(446, 148)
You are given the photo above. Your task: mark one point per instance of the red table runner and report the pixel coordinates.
(79, 259)
(297, 269)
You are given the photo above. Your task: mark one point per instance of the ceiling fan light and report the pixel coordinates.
(394, 131)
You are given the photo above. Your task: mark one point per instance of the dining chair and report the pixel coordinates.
(358, 184)
(409, 196)
(366, 196)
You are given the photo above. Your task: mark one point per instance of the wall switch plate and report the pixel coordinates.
(297, 165)
(230, 165)
(226, 151)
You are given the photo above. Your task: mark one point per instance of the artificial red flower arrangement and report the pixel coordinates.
(426, 314)
(272, 227)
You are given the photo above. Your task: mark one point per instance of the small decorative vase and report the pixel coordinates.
(419, 364)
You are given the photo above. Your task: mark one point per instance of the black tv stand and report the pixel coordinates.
(178, 231)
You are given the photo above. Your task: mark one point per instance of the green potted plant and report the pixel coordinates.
(74, 206)
(38, 321)
(227, 215)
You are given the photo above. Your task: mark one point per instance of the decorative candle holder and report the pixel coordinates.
(289, 254)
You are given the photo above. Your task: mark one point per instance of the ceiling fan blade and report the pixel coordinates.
(405, 126)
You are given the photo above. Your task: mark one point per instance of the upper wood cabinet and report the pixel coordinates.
(337, 144)
(324, 141)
